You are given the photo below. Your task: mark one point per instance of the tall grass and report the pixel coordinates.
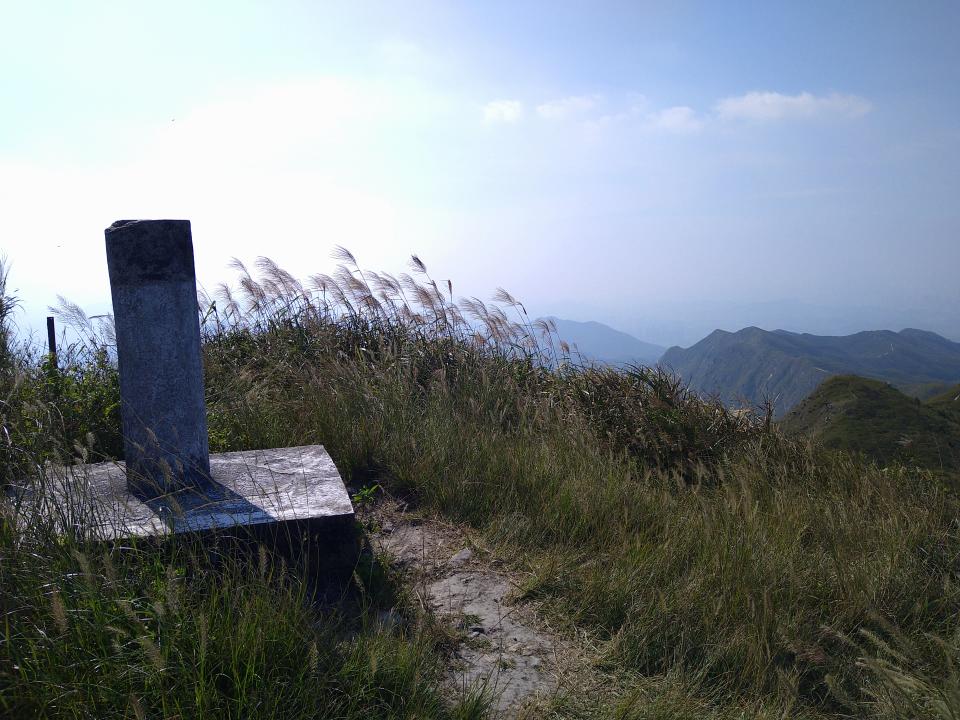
(177, 628)
(145, 632)
(721, 569)
(685, 538)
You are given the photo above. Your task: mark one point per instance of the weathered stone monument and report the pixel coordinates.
(154, 288)
(170, 483)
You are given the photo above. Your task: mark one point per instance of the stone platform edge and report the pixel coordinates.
(251, 489)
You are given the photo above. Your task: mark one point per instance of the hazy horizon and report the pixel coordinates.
(666, 169)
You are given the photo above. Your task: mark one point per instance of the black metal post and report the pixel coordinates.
(52, 340)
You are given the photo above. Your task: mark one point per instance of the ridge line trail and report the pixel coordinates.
(500, 641)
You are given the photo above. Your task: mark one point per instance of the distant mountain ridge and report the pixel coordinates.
(753, 364)
(601, 343)
(869, 416)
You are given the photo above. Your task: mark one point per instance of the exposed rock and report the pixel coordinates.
(460, 558)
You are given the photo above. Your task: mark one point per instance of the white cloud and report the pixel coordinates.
(286, 170)
(636, 107)
(273, 122)
(503, 111)
(764, 106)
(680, 119)
(563, 107)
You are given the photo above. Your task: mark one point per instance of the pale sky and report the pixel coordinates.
(666, 168)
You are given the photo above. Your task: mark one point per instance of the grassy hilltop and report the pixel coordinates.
(714, 567)
(860, 415)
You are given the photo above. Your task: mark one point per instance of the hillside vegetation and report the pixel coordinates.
(753, 365)
(868, 416)
(948, 400)
(717, 568)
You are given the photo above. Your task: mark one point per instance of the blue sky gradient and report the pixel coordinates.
(667, 168)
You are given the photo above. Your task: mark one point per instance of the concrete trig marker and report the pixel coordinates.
(170, 482)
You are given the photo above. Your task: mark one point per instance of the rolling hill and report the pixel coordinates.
(869, 416)
(600, 343)
(751, 365)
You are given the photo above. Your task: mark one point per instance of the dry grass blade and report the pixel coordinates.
(417, 264)
(341, 254)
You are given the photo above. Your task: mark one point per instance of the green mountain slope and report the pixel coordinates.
(869, 416)
(753, 364)
(948, 400)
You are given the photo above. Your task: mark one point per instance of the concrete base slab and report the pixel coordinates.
(296, 490)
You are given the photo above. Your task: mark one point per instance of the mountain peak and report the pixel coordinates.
(601, 343)
(755, 365)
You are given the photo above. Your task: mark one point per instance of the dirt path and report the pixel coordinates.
(503, 644)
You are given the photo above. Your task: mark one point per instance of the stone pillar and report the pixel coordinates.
(153, 283)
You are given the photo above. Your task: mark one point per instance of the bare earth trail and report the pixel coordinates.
(504, 644)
